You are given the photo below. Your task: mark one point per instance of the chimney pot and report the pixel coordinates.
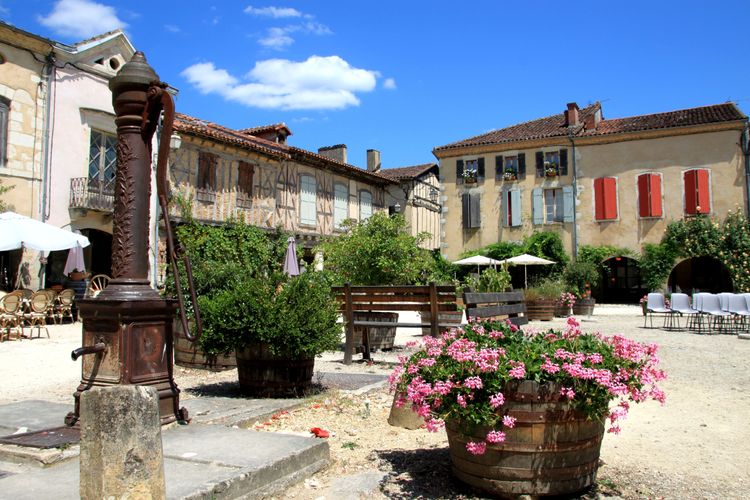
(373, 160)
(572, 115)
(337, 152)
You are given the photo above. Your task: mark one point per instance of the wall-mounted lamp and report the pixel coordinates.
(175, 141)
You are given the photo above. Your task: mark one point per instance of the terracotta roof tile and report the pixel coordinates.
(274, 127)
(407, 172)
(554, 126)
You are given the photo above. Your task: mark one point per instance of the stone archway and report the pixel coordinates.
(700, 274)
(99, 253)
(621, 283)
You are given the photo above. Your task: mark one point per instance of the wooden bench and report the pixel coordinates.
(510, 305)
(431, 298)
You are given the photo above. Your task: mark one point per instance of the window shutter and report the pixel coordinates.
(308, 200)
(644, 195)
(498, 168)
(505, 208)
(539, 164)
(340, 204)
(459, 171)
(207, 170)
(690, 192)
(245, 178)
(655, 195)
(537, 205)
(702, 192)
(610, 198)
(568, 204)
(476, 215)
(521, 165)
(465, 210)
(515, 207)
(599, 199)
(563, 170)
(480, 168)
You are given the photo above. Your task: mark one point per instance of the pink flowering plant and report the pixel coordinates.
(566, 299)
(464, 374)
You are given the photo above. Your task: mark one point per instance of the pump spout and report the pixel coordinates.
(93, 349)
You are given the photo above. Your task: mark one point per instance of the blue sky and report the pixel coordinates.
(404, 77)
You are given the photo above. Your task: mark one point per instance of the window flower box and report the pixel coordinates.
(550, 172)
(469, 175)
(510, 175)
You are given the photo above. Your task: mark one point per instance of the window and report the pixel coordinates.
(552, 163)
(4, 116)
(245, 179)
(552, 205)
(649, 195)
(469, 170)
(207, 170)
(510, 168)
(697, 192)
(511, 207)
(365, 205)
(470, 204)
(605, 198)
(102, 162)
(308, 204)
(340, 204)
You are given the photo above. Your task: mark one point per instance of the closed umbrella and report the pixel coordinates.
(18, 231)
(527, 260)
(291, 267)
(75, 260)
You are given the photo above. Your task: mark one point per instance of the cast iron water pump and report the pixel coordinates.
(127, 329)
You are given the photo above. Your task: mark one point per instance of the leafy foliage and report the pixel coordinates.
(545, 289)
(503, 250)
(4, 207)
(377, 251)
(580, 275)
(656, 264)
(548, 245)
(442, 270)
(490, 280)
(296, 316)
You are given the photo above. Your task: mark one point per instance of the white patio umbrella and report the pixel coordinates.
(526, 260)
(478, 260)
(291, 267)
(18, 231)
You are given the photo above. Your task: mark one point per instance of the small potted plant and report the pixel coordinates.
(510, 175)
(76, 275)
(578, 276)
(469, 175)
(550, 170)
(565, 303)
(504, 394)
(276, 326)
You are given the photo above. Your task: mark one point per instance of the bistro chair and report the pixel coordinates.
(96, 285)
(38, 311)
(52, 297)
(10, 316)
(711, 306)
(656, 305)
(681, 305)
(64, 306)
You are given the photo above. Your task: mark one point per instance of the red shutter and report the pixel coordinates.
(702, 192)
(599, 199)
(610, 198)
(655, 195)
(690, 192)
(644, 198)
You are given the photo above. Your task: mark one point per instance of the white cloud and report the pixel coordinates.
(389, 83)
(274, 12)
(276, 38)
(81, 18)
(172, 28)
(316, 83)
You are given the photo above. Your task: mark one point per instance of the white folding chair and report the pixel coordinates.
(711, 306)
(681, 305)
(740, 312)
(656, 305)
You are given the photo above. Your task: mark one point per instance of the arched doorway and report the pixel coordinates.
(99, 253)
(622, 281)
(700, 274)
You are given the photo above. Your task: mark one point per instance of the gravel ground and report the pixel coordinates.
(695, 446)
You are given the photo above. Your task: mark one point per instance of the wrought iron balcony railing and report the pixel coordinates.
(85, 194)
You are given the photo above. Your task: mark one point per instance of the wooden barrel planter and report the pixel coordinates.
(552, 450)
(561, 311)
(541, 309)
(452, 318)
(188, 354)
(264, 374)
(380, 337)
(584, 307)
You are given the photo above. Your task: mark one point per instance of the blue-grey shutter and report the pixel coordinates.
(563, 170)
(537, 206)
(498, 168)
(465, 210)
(539, 164)
(515, 212)
(476, 211)
(480, 168)
(569, 204)
(521, 165)
(504, 206)
(459, 171)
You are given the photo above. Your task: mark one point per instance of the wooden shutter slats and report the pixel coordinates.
(690, 192)
(539, 164)
(498, 168)
(521, 165)
(459, 171)
(480, 168)
(702, 192)
(655, 195)
(563, 170)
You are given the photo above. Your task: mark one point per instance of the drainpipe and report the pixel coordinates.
(49, 69)
(745, 147)
(575, 196)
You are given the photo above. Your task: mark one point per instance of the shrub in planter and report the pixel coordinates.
(541, 299)
(528, 405)
(276, 318)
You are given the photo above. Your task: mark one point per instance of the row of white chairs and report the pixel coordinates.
(723, 312)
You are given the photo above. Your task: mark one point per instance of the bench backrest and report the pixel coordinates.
(396, 298)
(490, 305)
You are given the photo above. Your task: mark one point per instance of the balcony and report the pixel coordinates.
(84, 194)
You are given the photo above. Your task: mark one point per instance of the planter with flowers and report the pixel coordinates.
(510, 175)
(541, 299)
(525, 412)
(565, 304)
(469, 175)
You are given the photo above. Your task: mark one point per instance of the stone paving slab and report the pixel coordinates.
(32, 415)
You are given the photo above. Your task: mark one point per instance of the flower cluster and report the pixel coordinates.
(510, 175)
(469, 173)
(566, 299)
(465, 374)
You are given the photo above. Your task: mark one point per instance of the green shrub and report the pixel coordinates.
(656, 264)
(545, 289)
(490, 280)
(579, 275)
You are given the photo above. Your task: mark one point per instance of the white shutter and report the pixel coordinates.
(308, 205)
(515, 210)
(569, 204)
(340, 204)
(365, 205)
(537, 205)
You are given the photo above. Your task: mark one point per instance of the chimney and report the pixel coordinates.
(373, 160)
(571, 115)
(337, 152)
(592, 120)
